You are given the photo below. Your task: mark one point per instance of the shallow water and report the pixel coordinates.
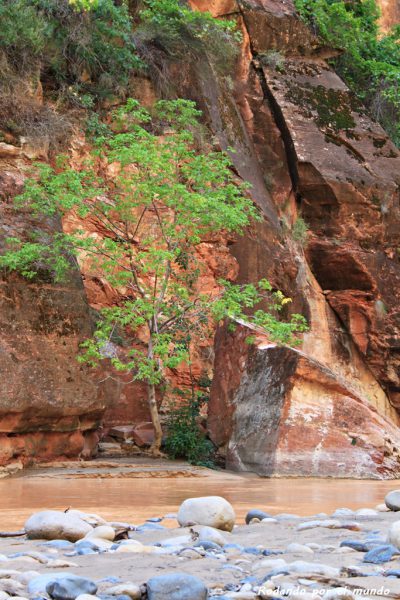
(136, 499)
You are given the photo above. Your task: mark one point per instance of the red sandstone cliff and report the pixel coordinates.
(307, 148)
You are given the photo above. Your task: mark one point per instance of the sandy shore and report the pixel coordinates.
(227, 571)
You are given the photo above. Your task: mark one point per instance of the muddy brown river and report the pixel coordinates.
(135, 499)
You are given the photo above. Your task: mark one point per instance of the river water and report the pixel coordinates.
(135, 499)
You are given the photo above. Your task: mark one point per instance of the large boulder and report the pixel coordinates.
(213, 511)
(70, 587)
(56, 525)
(392, 500)
(176, 586)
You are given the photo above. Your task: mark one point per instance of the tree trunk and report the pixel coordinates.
(155, 419)
(155, 448)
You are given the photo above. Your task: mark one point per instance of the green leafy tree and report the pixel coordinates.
(160, 200)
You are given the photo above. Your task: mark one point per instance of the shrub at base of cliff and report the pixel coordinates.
(369, 62)
(184, 435)
(153, 197)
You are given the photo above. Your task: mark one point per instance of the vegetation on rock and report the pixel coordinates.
(369, 62)
(153, 196)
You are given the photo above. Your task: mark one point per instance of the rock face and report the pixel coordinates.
(49, 407)
(288, 414)
(329, 408)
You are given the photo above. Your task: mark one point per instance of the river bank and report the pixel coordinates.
(294, 555)
(306, 556)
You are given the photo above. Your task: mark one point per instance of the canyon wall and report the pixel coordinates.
(313, 156)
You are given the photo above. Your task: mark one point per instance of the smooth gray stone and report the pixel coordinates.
(70, 587)
(392, 500)
(256, 513)
(176, 586)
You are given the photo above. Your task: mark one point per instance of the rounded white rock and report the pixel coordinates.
(213, 511)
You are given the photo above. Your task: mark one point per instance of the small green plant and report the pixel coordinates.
(300, 230)
(184, 437)
(273, 59)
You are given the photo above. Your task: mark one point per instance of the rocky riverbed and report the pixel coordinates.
(202, 551)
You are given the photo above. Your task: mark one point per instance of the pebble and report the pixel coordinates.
(269, 520)
(128, 589)
(366, 512)
(356, 545)
(209, 534)
(343, 512)
(393, 536)
(299, 549)
(176, 586)
(380, 554)
(37, 585)
(256, 515)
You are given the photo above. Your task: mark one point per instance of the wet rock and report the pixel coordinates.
(56, 525)
(70, 587)
(380, 554)
(256, 515)
(213, 511)
(176, 586)
(392, 500)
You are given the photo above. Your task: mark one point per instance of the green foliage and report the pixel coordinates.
(300, 230)
(89, 49)
(187, 34)
(370, 62)
(184, 438)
